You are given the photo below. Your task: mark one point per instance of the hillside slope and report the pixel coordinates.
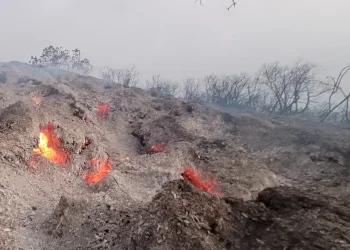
(143, 203)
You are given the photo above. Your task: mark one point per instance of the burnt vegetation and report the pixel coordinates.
(122, 154)
(126, 77)
(225, 161)
(274, 89)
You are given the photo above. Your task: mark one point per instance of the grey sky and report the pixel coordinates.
(178, 38)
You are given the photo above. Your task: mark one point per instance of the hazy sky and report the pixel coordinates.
(179, 38)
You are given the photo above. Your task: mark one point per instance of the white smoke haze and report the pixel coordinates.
(177, 40)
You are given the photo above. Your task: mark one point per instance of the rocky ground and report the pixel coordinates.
(285, 180)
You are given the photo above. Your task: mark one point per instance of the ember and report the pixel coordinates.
(123, 157)
(50, 147)
(37, 100)
(104, 167)
(85, 144)
(102, 110)
(85, 119)
(203, 181)
(159, 147)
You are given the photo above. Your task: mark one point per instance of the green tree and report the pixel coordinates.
(63, 59)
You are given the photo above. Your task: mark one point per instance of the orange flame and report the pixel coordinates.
(203, 181)
(103, 169)
(37, 100)
(50, 147)
(159, 147)
(102, 110)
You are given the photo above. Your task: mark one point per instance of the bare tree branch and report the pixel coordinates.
(336, 87)
(126, 77)
(335, 107)
(200, 2)
(162, 87)
(233, 4)
(192, 90)
(290, 89)
(226, 90)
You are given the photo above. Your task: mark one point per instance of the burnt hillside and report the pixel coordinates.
(87, 165)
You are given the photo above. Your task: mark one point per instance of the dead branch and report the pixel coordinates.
(162, 87)
(128, 77)
(290, 89)
(336, 84)
(191, 90)
(336, 87)
(233, 4)
(200, 2)
(347, 110)
(336, 106)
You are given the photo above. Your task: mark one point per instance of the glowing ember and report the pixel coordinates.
(37, 100)
(123, 157)
(159, 147)
(50, 147)
(104, 167)
(86, 142)
(203, 181)
(102, 110)
(85, 119)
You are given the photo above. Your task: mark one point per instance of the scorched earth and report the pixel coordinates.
(87, 165)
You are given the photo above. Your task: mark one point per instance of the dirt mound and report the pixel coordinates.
(183, 217)
(16, 133)
(308, 153)
(162, 130)
(178, 217)
(304, 220)
(15, 118)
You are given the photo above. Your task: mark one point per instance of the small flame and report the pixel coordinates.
(102, 110)
(159, 147)
(37, 100)
(203, 181)
(104, 167)
(50, 147)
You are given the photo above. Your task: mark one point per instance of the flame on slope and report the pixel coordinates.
(203, 181)
(159, 147)
(102, 110)
(50, 147)
(104, 167)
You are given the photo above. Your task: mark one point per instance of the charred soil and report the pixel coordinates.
(119, 183)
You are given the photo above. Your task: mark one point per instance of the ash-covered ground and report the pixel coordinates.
(285, 179)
